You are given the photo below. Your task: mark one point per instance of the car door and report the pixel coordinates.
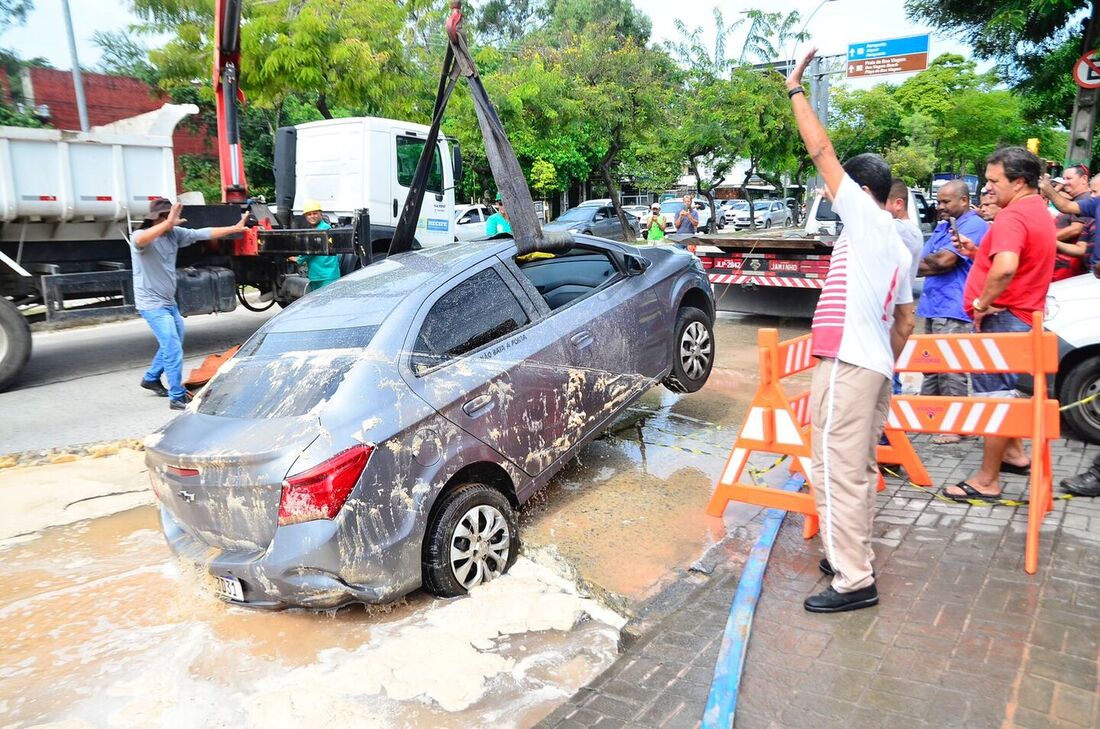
(480, 354)
(610, 322)
(470, 225)
(601, 223)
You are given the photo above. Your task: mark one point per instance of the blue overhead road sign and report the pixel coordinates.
(897, 55)
(885, 48)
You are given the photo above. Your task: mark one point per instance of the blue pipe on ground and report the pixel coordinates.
(722, 702)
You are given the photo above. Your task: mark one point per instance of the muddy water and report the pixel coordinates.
(629, 513)
(100, 627)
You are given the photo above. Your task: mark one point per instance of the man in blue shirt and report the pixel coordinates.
(945, 269)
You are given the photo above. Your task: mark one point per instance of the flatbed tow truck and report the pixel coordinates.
(760, 272)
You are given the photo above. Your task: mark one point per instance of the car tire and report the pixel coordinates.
(490, 514)
(1081, 382)
(692, 351)
(15, 342)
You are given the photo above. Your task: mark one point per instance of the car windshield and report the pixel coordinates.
(738, 204)
(575, 215)
(672, 206)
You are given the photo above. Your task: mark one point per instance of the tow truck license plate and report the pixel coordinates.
(228, 588)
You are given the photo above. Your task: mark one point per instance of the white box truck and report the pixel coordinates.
(69, 200)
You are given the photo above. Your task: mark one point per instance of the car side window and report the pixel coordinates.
(571, 276)
(471, 216)
(601, 214)
(474, 313)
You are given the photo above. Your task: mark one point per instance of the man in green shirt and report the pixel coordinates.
(498, 221)
(323, 270)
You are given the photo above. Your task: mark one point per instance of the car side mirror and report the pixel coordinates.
(636, 265)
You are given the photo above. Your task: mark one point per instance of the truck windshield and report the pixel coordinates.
(409, 150)
(825, 210)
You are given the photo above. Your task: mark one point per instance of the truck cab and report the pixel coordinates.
(369, 162)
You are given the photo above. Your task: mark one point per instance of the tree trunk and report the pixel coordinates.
(322, 105)
(613, 187)
(745, 191)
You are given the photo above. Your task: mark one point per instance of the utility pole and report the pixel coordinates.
(820, 68)
(78, 81)
(1082, 125)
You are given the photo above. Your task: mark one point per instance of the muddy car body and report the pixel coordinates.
(378, 434)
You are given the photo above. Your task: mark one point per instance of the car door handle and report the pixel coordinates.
(580, 340)
(478, 406)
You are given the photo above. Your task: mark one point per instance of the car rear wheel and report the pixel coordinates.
(473, 538)
(1080, 383)
(693, 351)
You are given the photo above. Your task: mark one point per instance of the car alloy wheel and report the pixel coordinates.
(695, 350)
(480, 546)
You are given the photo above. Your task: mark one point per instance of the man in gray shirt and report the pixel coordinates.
(153, 251)
(687, 220)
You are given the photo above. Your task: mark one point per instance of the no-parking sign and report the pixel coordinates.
(1086, 72)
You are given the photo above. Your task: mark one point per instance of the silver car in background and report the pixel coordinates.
(379, 434)
(766, 214)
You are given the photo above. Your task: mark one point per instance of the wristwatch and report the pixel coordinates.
(977, 304)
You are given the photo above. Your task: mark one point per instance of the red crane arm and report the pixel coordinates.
(228, 96)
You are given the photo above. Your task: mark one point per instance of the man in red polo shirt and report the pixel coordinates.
(1008, 283)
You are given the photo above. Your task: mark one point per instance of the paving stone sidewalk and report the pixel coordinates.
(962, 636)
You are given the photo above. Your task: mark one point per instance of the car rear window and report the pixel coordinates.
(280, 374)
(281, 386)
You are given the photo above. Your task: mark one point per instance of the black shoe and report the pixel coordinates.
(827, 568)
(154, 387)
(831, 601)
(1083, 484)
(181, 403)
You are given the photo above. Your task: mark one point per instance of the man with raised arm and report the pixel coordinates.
(863, 318)
(1088, 207)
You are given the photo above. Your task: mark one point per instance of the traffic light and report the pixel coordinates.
(1033, 145)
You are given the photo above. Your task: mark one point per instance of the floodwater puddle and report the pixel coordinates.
(101, 627)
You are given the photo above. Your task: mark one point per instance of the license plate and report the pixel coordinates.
(228, 588)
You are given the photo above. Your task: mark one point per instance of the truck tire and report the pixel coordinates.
(15, 342)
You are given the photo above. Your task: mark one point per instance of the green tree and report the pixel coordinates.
(14, 12)
(121, 54)
(505, 23)
(616, 17)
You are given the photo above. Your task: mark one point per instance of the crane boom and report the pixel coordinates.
(228, 96)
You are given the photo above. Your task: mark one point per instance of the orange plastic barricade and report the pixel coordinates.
(774, 424)
(780, 424)
(1036, 417)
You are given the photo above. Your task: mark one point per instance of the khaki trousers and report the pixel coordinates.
(849, 405)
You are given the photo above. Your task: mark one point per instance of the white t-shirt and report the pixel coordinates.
(913, 239)
(868, 275)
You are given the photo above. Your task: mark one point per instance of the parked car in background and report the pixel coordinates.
(638, 211)
(1071, 314)
(351, 453)
(600, 221)
(470, 221)
(730, 208)
(766, 214)
(669, 208)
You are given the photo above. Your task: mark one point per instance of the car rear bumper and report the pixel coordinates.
(304, 566)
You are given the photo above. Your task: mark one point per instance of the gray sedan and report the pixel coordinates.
(379, 434)
(593, 220)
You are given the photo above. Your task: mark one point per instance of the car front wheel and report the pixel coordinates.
(473, 538)
(1080, 383)
(693, 351)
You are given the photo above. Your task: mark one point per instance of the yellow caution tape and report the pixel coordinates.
(973, 502)
(1079, 403)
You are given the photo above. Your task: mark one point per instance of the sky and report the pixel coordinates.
(836, 24)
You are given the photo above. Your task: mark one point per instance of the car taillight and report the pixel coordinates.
(320, 492)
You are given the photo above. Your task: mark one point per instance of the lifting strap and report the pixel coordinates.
(507, 173)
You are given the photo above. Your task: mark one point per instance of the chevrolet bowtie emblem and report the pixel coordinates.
(186, 496)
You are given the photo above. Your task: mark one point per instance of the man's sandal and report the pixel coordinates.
(969, 494)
